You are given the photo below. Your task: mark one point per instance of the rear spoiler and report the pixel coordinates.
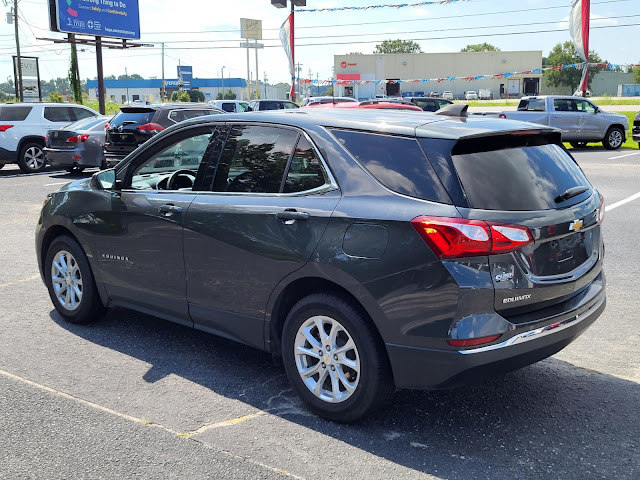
(454, 110)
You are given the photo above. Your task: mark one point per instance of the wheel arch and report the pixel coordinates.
(298, 288)
(30, 138)
(621, 127)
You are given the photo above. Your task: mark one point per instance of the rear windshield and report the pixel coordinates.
(85, 124)
(518, 178)
(396, 162)
(10, 113)
(531, 105)
(137, 118)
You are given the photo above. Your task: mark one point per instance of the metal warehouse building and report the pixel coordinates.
(149, 90)
(415, 66)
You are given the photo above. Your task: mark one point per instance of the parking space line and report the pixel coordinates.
(24, 280)
(142, 421)
(622, 156)
(622, 202)
(226, 423)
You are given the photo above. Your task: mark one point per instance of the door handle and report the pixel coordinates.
(168, 209)
(289, 216)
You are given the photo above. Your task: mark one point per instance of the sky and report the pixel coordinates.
(206, 34)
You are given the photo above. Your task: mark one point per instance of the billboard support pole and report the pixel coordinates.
(101, 105)
(20, 90)
(248, 75)
(39, 85)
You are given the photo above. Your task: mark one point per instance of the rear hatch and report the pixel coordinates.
(528, 179)
(131, 127)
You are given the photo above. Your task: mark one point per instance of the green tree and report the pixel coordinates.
(56, 97)
(480, 47)
(132, 76)
(565, 54)
(636, 75)
(180, 96)
(196, 96)
(329, 91)
(226, 95)
(398, 46)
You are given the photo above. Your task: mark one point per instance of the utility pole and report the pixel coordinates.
(19, 89)
(126, 77)
(74, 72)
(265, 85)
(99, 65)
(248, 75)
(163, 91)
(257, 74)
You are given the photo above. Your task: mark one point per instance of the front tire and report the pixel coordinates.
(70, 282)
(333, 358)
(614, 138)
(31, 158)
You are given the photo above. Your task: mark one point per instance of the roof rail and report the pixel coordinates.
(454, 110)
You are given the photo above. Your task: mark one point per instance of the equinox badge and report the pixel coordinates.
(576, 225)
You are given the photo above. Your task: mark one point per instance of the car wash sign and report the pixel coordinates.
(104, 18)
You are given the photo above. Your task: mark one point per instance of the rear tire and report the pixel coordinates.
(341, 373)
(613, 139)
(70, 282)
(31, 158)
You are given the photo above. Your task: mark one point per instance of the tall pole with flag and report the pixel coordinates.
(287, 39)
(579, 28)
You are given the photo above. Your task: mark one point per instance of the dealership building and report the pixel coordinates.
(442, 66)
(149, 90)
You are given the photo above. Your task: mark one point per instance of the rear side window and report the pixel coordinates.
(228, 107)
(81, 113)
(58, 114)
(396, 162)
(254, 159)
(519, 178)
(133, 118)
(305, 172)
(14, 114)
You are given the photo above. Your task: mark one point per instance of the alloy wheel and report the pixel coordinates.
(615, 138)
(34, 158)
(66, 280)
(327, 359)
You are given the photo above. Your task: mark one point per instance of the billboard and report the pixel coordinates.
(30, 78)
(185, 75)
(104, 18)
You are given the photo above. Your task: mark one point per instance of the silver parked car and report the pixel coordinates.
(78, 145)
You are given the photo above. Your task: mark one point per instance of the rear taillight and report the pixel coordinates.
(502, 115)
(601, 210)
(473, 342)
(4, 128)
(458, 237)
(107, 125)
(148, 127)
(77, 139)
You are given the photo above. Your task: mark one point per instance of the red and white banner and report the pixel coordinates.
(286, 38)
(579, 28)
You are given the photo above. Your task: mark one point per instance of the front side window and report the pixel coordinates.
(254, 159)
(585, 107)
(564, 105)
(184, 155)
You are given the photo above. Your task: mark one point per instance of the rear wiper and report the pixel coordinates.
(129, 122)
(571, 192)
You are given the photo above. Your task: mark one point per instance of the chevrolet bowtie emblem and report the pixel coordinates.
(576, 225)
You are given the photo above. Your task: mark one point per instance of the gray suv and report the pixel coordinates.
(368, 250)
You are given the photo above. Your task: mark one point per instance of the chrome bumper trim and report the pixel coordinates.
(538, 332)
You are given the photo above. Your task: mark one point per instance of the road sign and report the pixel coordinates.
(104, 18)
(251, 45)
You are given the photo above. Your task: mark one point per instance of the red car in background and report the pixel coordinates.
(387, 105)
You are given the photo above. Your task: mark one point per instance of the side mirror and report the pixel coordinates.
(104, 180)
(597, 110)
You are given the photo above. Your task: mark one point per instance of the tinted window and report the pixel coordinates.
(228, 107)
(520, 178)
(82, 113)
(254, 159)
(13, 114)
(57, 114)
(305, 172)
(136, 117)
(397, 162)
(270, 105)
(564, 105)
(532, 105)
(443, 103)
(86, 124)
(288, 105)
(426, 105)
(584, 106)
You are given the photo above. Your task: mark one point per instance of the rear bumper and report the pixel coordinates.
(112, 159)
(7, 156)
(62, 158)
(424, 368)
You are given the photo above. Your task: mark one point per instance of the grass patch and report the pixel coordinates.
(110, 108)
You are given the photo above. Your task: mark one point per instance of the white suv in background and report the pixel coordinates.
(471, 95)
(447, 94)
(230, 106)
(23, 127)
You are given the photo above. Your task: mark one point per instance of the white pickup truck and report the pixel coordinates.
(580, 120)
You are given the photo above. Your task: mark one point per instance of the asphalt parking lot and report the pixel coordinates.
(136, 396)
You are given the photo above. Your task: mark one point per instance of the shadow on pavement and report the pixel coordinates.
(550, 420)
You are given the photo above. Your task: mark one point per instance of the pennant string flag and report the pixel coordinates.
(372, 7)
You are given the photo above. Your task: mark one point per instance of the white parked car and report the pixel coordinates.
(230, 105)
(471, 95)
(447, 94)
(23, 127)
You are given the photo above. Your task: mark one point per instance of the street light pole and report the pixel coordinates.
(19, 89)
